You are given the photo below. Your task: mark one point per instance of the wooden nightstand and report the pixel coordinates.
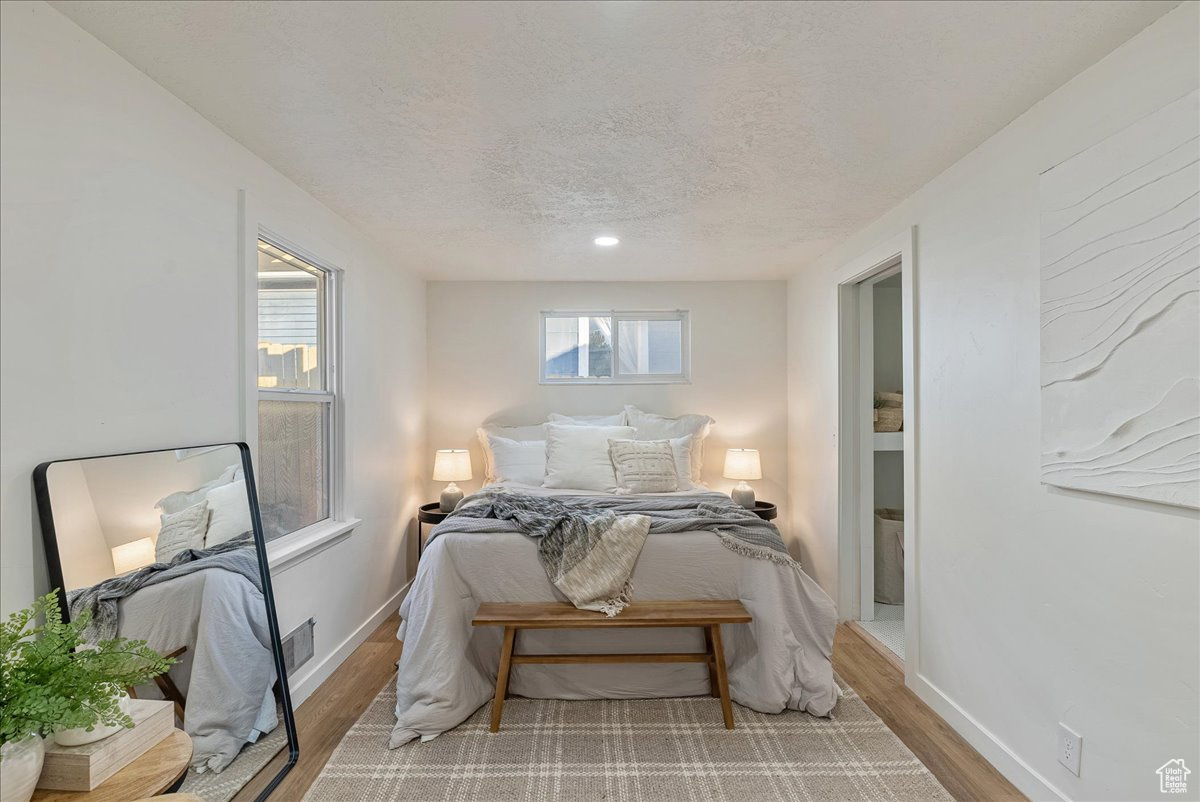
(428, 514)
(765, 510)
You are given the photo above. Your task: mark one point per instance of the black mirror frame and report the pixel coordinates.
(41, 489)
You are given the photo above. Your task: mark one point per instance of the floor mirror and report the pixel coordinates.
(167, 547)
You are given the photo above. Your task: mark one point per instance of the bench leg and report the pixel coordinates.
(510, 634)
(722, 679)
(170, 692)
(713, 687)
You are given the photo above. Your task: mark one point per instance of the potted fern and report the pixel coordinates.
(52, 680)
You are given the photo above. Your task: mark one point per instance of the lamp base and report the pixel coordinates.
(451, 496)
(743, 495)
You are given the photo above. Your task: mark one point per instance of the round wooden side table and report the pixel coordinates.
(428, 514)
(161, 769)
(765, 510)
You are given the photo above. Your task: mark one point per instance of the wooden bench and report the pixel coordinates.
(167, 686)
(709, 615)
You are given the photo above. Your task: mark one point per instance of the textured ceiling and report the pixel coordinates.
(495, 140)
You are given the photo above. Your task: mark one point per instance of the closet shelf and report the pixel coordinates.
(889, 441)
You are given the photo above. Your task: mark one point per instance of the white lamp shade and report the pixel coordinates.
(452, 465)
(743, 464)
(133, 555)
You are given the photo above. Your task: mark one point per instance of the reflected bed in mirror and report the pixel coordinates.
(167, 547)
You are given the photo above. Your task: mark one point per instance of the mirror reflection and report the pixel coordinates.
(160, 547)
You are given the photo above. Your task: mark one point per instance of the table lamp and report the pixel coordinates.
(742, 464)
(451, 465)
(132, 555)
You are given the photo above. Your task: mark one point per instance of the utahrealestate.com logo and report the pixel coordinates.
(1172, 777)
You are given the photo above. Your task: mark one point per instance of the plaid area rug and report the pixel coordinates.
(224, 786)
(629, 751)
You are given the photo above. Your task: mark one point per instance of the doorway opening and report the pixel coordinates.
(882, 363)
(877, 582)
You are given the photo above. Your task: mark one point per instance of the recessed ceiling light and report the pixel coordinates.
(606, 242)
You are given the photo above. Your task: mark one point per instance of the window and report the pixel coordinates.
(615, 347)
(297, 390)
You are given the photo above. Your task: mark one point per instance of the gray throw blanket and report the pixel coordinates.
(571, 529)
(237, 555)
(588, 553)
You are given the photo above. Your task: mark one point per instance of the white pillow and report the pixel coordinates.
(517, 461)
(644, 466)
(577, 456)
(519, 433)
(229, 517)
(655, 427)
(181, 530)
(589, 420)
(681, 447)
(182, 499)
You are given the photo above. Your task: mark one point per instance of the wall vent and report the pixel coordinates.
(298, 646)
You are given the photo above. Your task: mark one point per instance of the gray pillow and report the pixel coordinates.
(644, 466)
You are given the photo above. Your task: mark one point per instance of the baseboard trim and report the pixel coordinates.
(1027, 780)
(303, 687)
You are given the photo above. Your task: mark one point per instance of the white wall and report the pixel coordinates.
(887, 330)
(119, 326)
(86, 556)
(1036, 605)
(483, 357)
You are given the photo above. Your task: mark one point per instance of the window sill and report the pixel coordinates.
(297, 547)
(623, 381)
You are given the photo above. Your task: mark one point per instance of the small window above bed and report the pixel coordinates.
(615, 347)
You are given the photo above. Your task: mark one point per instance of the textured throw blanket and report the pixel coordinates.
(589, 544)
(588, 553)
(237, 556)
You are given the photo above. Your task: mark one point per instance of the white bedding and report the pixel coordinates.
(448, 668)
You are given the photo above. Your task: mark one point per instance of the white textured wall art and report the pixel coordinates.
(1120, 228)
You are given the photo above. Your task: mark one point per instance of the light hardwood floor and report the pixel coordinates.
(331, 710)
(334, 707)
(857, 659)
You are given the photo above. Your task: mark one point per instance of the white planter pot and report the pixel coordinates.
(20, 766)
(80, 735)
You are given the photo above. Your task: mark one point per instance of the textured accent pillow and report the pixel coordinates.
(589, 420)
(516, 460)
(181, 530)
(577, 456)
(519, 433)
(655, 427)
(182, 499)
(229, 509)
(644, 466)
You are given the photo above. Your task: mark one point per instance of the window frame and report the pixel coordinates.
(616, 317)
(336, 521)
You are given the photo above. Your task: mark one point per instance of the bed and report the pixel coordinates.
(447, 670)
(227, 671)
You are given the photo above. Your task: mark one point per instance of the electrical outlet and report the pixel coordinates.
(1070, 748)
